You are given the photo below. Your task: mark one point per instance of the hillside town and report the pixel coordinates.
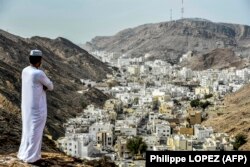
(159, 104)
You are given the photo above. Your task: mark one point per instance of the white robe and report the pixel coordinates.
(34, 112)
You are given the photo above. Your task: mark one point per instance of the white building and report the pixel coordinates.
(163, 130)
(128, 131)
(152, 116)
(123, 61)
(124, 97)
(201, 132)
(134, 70)
(242, 74)
(98, 127)
(77, 145)
(144, 69)
(210, 145)
(143, 100)
(105, 138)
(206, 81)
(186, 73)
(157, 93)
(151, 142)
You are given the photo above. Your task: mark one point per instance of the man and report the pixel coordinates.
(34, 108)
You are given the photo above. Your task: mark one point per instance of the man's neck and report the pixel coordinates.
(34, 66)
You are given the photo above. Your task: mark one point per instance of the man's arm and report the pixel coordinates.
(45, 81)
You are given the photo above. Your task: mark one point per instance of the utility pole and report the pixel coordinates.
(171, 15)
(182, 9)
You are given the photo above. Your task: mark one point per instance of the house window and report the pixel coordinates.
(109, 138)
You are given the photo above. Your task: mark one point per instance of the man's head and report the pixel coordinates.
(35, 58)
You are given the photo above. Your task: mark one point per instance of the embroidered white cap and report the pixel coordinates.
(36, 53)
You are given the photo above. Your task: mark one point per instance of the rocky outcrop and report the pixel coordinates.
(216, 59)
(49, 159)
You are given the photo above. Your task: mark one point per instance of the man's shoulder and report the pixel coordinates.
(33, 70)
(26, 68)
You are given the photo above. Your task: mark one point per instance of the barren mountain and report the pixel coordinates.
(170, 40)
(216, 59)
(65, 63)
(233, 116)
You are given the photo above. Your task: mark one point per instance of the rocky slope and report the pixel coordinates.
(65, 63)
(216, 59)
(49, 159)
(234, 115)
(170, 40)
(54, 160)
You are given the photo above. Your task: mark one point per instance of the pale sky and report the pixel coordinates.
(82, 20)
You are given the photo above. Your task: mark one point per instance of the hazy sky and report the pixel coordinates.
(81, 20)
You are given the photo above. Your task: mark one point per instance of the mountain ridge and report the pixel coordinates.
(170, 40)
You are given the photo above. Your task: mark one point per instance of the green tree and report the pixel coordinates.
(208, 96)
(240, 139)
(204, 105)
(195, 103)
(136, 145)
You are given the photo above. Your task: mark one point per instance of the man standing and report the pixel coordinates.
(34, 108)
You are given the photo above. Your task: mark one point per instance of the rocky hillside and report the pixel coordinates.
(54, 160)
(170, 40)
(49, 160)
(216, 59)
(233, 116)
(65, 63)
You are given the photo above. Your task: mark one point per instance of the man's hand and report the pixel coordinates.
(44, 88)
